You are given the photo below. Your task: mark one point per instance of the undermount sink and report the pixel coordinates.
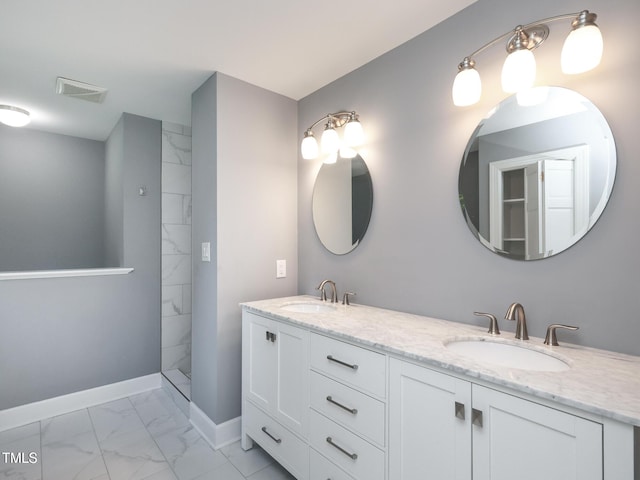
(507, 355)
(308, 307)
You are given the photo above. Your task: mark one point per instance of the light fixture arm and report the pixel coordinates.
(525, 27)
(339, 118)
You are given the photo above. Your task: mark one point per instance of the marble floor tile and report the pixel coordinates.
(114, 418)
(24, 443)
(225, 471)
(143, 437)
(77, 457)
(248, 462)
(132, 455)
(272, 472)
(65, 426)
(158, 412)
(188, 453)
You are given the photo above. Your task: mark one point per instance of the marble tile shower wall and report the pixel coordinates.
(176, 247)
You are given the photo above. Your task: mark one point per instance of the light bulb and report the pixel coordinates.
(353, 133)
(582, 50)
(14, 116)
(518, 71)
(309, 147)
(330, 141)
(467, 86)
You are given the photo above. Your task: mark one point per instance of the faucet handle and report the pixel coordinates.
(345, 297)
(551, 338)
(493, 326)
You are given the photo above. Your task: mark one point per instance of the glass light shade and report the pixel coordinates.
(532, 96)
(331, 158)
(330, 141)
(353, 134)
(348, 152)
(14, 116)
(582, 50)
(518, 71)
(467, 87)
(309, 147)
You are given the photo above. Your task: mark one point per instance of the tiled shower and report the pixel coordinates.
(176, 255)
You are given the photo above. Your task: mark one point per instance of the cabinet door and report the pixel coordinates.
(260, 357)
(429, 424)
(292, 399)
(525, 440)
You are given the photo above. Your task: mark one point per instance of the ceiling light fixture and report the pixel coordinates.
(582, 52)
(330, 143)
(14, 116)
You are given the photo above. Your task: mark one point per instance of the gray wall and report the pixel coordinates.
(418, 254)
(69, 334)
(113, 195)
(244, 203)
(51, 201)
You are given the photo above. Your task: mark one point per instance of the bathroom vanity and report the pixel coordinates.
(355, 392)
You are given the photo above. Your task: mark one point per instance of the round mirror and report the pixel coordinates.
(537, 173)
(342, 203)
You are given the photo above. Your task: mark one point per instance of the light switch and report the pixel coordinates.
(206, 251)
(281, 268)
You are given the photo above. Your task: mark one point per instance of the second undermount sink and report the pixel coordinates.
(507, 355)
(308, 307)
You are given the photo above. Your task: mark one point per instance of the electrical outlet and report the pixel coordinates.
(281, 268)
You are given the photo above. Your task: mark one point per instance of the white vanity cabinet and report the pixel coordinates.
(275, 384)
(444, 427)
(348, 410)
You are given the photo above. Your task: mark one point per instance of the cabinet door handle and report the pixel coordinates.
(476, 417)
(268, 335)
(277, 440)
(459, 410)
(352, 456)
(340, 362)
(353, 411)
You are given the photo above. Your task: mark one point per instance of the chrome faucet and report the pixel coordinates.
(323, 294)
(516, 312)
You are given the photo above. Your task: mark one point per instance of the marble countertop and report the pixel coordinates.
(600, 382)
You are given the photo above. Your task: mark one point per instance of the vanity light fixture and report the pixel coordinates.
(330, 143)
(582, 51)
(14, 116)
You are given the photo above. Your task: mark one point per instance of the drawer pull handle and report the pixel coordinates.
(277, 440)
(340, 362)
(352, 456)
(476, 417)
(353, 411)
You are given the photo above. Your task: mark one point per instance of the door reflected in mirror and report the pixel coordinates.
(537, 173)
(342, 203)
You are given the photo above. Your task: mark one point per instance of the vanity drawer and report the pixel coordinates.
(364, 369)
(353, 454)
(351, 408)
(291, 452)
(323, 469)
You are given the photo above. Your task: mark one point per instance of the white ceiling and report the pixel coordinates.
(152, 54)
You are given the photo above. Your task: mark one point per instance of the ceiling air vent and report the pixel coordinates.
(81, 90)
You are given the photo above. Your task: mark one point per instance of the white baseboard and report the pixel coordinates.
(217, 436)
(33, 412)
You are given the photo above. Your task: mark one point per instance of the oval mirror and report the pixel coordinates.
(342, 203)
(537, 173)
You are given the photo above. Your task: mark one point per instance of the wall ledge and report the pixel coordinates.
(81, 272)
